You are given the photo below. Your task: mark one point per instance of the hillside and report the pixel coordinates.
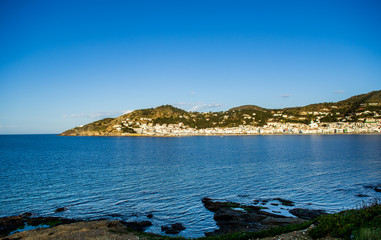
(248, 107)
(360, 108)
(350, 103)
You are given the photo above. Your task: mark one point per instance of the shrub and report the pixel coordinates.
(371, 233)
(345, 223)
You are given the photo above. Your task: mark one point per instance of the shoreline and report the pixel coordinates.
(219, 135)
(230, 217)
(234, 221)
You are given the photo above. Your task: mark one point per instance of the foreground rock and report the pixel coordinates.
(233, 217)
(10, 224)
(104, 229)
(307, 213)
(13, 223)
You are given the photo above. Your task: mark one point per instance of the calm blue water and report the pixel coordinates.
(127, 178)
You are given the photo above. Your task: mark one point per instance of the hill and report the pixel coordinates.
(247, 107)
(360, 108)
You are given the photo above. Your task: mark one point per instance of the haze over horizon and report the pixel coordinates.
(68, 63)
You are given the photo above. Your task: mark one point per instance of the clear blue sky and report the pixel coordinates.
(67, 63)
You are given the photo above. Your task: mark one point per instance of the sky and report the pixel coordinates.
(68, 63)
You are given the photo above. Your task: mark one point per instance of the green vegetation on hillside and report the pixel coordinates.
(350, 223)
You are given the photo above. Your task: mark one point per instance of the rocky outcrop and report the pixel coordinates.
(307, 214)
(10, 224)
(233, 217)
(111, 230)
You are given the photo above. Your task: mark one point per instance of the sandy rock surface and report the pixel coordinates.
(112, 230)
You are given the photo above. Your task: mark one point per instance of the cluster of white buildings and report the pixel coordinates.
(271, 128)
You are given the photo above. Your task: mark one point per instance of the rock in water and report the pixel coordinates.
(138, 226)
(285, 202)
(362, 195)
(174, 228)
(62, 209)
(252, 219)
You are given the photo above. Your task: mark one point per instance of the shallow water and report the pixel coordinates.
(127, 178)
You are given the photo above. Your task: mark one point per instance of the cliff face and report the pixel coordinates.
(356, 108)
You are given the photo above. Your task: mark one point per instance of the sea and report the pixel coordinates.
(127, 178)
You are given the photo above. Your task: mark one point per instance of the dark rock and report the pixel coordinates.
(138, 226)
(150, 215)
(9, 224)
(253, 219)
(178, 226)
(63, 209)
(216, 205)
(362, 195)
(307, 213)
(174, 228)
(285, 202)
(226, 214)
(26, 215)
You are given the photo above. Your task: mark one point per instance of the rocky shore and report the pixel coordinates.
(102, 229)
(62, 228)
(230, 217)
(234, 217)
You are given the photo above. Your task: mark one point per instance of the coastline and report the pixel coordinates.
(216, 135)
(231, 217)
(235, 221)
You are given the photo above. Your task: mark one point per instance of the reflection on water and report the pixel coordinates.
(129, 178)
